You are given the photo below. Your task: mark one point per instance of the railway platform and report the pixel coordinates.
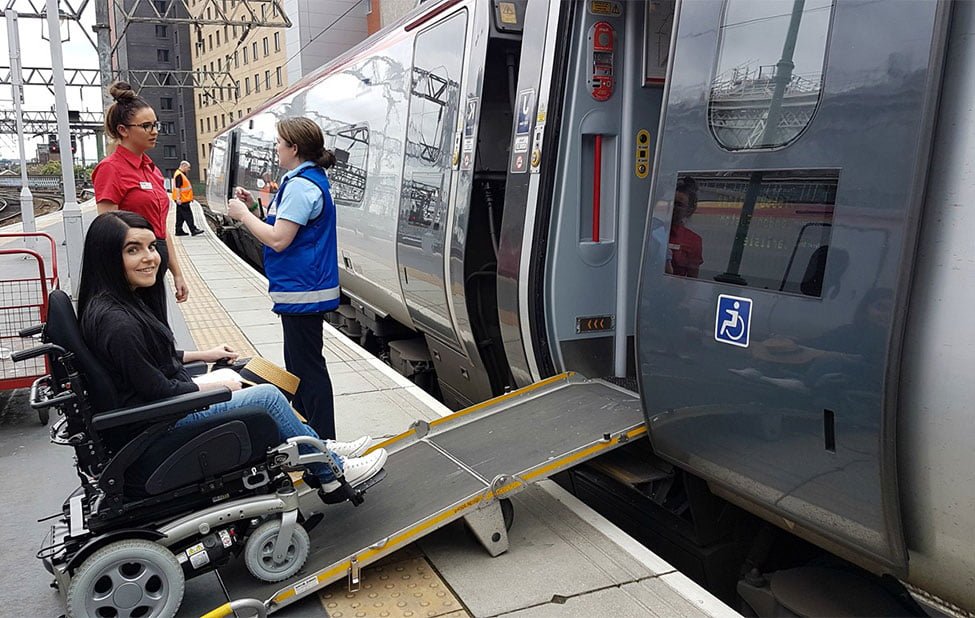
(563, 559)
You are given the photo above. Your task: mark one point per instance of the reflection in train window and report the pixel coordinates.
(218, 169)
(257, 164)
(434, 96)
(763, 229)
(769, 73)
(350, 144)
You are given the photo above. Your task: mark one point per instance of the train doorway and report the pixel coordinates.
(579, 182)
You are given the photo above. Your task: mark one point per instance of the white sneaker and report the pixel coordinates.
(349, 449)
(358, 470)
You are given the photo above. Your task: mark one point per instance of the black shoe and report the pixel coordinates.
(182, 234)
(196, 232)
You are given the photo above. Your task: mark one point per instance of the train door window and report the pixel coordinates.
(350, 145)
(769, 72)
(433, 115)
(438, 62)
(762, 229)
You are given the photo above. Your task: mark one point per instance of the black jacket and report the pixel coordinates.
(137, 350)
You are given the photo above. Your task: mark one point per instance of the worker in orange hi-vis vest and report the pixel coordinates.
(183, 196)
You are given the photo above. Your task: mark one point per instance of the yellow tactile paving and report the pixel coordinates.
(402, 585)
(208, 322)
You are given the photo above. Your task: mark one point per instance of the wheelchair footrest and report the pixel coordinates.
(341, 495)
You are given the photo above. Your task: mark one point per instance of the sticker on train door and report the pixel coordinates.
(526, 105)
(732, 320)
(525, 108)
(470, 116)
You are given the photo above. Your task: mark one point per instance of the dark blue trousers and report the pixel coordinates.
(303, 357)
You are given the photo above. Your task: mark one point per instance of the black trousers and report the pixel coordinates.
(184, 214)
(155, 297)
(303, 339)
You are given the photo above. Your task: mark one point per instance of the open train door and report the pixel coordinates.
(787, 188)
(460, 107)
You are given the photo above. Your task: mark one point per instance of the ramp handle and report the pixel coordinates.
(229, 608)
(354, 575)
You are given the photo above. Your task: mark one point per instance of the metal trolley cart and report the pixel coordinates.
(24, 289)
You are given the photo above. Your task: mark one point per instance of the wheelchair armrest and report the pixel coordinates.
(196, 368)
(47, 348)
(172, 408)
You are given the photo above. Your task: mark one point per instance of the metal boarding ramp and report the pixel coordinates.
(460, 465)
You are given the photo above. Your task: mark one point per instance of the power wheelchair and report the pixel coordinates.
(159, 505)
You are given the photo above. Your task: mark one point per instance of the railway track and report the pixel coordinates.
(44, 202)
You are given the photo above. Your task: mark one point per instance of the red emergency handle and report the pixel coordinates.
(597, 175)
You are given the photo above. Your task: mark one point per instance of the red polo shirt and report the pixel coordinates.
(135, 184)
(686, 251)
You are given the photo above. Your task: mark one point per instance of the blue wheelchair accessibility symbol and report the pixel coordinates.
(732, 323)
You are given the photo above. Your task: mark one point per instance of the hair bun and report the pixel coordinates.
(121, 91)
(327, 158)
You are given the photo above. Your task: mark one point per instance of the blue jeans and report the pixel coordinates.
(270, 399)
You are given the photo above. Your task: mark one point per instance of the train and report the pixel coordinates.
(754, 214)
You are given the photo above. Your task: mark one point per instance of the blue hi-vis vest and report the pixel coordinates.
(304, 278)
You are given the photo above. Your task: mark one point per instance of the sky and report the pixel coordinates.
(77, 52)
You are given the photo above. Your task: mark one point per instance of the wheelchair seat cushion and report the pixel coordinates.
(208, 448)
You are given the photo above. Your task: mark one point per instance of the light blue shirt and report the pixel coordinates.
(302, 200)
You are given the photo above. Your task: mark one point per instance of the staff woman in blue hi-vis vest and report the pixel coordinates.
(300, 261)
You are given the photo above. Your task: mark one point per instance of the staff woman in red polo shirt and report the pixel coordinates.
(127, 179)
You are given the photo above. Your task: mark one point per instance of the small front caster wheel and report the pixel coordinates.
(259, 552)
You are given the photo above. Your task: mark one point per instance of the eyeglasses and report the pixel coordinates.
(146, 126)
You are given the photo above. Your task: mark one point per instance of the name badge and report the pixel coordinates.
(145, 185)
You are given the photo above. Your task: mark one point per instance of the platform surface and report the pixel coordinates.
(564, 559)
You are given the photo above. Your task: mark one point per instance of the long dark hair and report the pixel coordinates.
(103, 270)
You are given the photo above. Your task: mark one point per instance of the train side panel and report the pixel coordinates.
(360, 108)
(935, 428)
(770, 316)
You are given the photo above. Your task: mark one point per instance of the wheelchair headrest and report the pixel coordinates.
(62, 328)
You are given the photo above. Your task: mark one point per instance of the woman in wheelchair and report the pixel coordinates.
(120, 260)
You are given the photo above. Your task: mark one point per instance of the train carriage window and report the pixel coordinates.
(350, 143)
(769, 72)
(762, 229)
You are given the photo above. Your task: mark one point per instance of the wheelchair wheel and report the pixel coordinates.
(127, 578)
(259, 552)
